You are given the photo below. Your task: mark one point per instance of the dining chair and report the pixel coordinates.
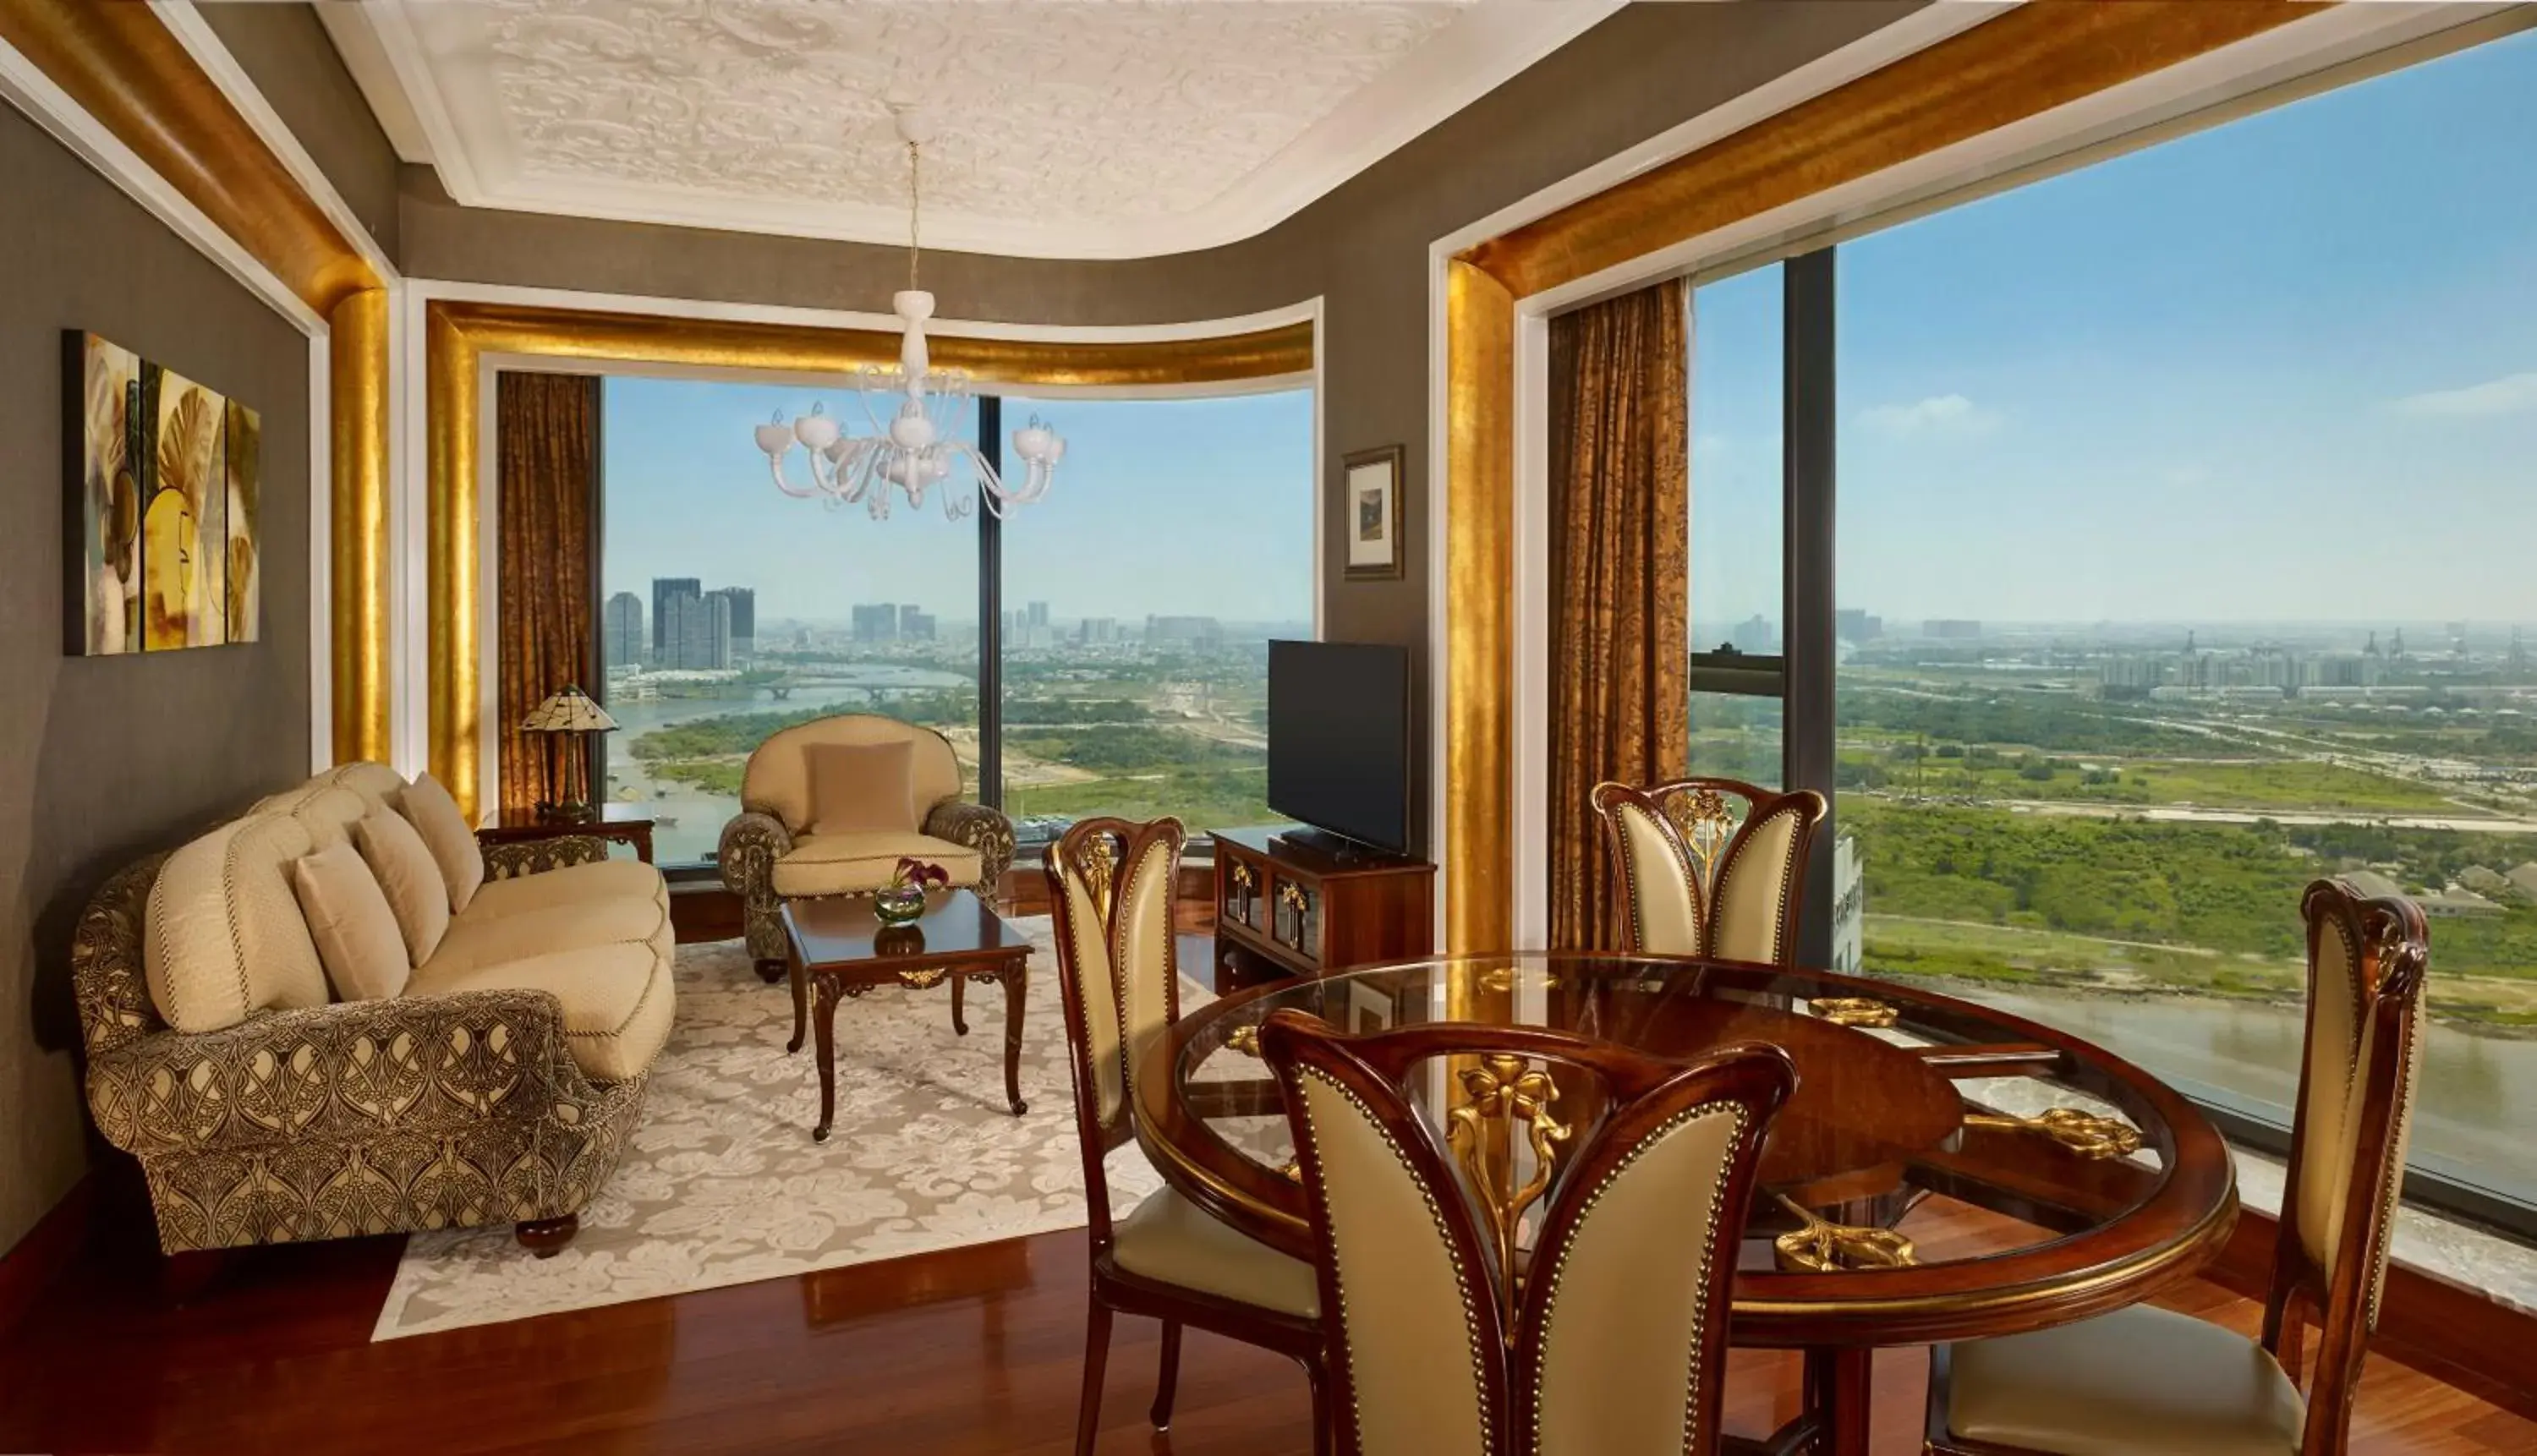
(1712, 867)
(1110, 885)
(2146, 1380)
(1607, 1335)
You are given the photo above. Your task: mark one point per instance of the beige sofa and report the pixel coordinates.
(769, 855)
(499, 1087)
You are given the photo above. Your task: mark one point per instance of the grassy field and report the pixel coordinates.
(2256, 786)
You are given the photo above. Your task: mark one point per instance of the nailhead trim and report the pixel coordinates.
(1708, 1264)
(1444, 1234)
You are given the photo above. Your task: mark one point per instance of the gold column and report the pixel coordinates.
(455, 574)
(357, 366)
(1478, 493)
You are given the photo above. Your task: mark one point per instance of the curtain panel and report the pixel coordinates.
(547, 508)
(1620, 543)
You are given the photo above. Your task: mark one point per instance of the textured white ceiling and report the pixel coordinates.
(1068, 127)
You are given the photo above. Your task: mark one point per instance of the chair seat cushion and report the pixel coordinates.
(1173, 1240)
(858, 863)
(2139, 1380)
(616, 999)
(571, 884)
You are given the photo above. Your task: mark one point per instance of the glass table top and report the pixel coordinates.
(1933, 1147)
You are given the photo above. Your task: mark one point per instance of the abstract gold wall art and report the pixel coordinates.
(161, 548)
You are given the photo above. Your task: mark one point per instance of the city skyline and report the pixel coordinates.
(689, 494)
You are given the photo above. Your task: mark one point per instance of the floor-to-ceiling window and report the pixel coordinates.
(729, 609)
(1138, 603)
(2185, 509)
(1129, 622)
(1736, 578)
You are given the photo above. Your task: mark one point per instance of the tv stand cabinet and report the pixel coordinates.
(1297, 905)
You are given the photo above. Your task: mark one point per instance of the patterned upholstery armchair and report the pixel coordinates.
(284, 1116)
(769, 854)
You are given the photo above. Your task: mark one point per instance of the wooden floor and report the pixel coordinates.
(972, 1350)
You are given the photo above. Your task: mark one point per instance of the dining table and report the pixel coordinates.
(1944, 1170)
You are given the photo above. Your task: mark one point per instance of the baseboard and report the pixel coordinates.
(2450, 1331)
(47, 1249)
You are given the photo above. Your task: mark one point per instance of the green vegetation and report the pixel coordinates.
(1111, 750)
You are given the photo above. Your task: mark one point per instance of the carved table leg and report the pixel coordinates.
(959, 1023)
(1016, 979)
(1837, 1383)
(827, 1028)
(801, 999)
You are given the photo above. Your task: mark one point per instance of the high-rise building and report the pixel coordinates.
(1756, 635)
(621, 640)
(914, 625)
(877, 622)
(744, 618)
(696, 629)
(1039, 613)
(1950, 627)
(1850, 624)
(664, 588)
(1096, 630)
(1182, 629)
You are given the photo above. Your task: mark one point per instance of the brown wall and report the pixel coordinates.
(284, 50)
(1362, 248)
(105, 758)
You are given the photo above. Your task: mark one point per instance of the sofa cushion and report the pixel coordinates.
(225, 937)
(777, 780)
(374, 781)
(328, 812)
(853, 864)
(620, 919)
(616, 1000)
(860, 787)
(571, 884)
(356, 935)
(434, 815)
(412, 882)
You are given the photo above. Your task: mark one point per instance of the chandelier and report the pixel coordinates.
(915, 414)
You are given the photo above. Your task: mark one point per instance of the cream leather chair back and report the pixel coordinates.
(1616, 1343)
(1711, 866)
(2366, 965)
(777, 780)
(1110, 890)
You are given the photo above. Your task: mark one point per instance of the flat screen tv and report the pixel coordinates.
(1339, 739)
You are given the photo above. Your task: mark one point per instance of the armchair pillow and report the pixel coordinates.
(414, 890)
(358, 939)
(434, 815)
(861, 788)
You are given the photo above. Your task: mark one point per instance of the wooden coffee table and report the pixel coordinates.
(838, 948)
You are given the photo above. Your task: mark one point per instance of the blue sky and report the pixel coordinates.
(2284, 369)
(1161, 506)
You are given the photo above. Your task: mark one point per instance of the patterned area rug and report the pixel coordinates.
(722, 1183)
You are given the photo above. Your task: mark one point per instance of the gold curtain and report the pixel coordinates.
(1620, 543)
(546, 493)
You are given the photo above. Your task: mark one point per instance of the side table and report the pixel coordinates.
(838, 949)
(625, 824)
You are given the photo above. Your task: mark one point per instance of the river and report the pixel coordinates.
(2470, 1117)
(691, 820)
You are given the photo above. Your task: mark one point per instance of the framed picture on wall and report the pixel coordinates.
(1370, 493)
(159, 529)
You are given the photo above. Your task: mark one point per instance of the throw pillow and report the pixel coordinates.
(434, 815)
(860, 787)
(416, 892)
(348, 914)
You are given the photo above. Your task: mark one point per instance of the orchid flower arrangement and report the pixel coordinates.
(916, 874)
